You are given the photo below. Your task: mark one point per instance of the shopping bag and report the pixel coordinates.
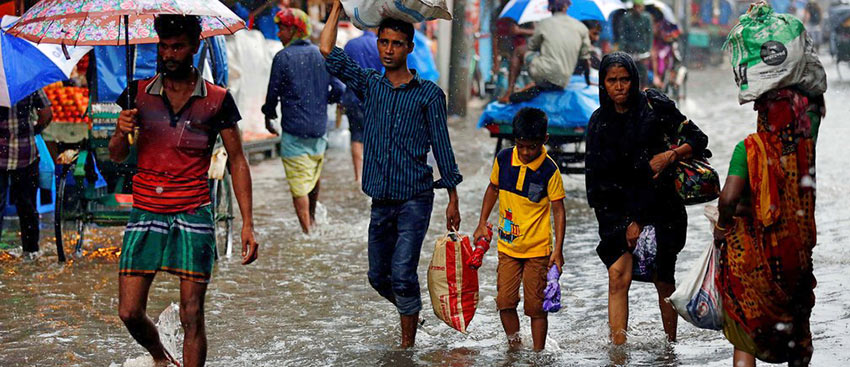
(46, 168)
(771, 51)
(552, 292)
(696, 181)
(697, 298)
(218, 164)
(643, 256)
(453, 286)
(366, 14)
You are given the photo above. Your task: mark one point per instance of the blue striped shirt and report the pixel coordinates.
(401, 125)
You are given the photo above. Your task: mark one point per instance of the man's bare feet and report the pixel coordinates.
(167, 362)
(514, 342)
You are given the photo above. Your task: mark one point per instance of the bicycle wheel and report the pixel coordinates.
(222, 201)
(69, 206)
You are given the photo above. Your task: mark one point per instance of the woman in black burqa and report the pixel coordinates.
(630, 183)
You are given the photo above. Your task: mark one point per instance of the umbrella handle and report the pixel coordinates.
(129, 60)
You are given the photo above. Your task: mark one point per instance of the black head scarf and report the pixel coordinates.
(635, 96)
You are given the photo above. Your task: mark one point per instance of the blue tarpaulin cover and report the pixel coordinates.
(569, 108)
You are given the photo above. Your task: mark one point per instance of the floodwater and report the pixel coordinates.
(306, 301)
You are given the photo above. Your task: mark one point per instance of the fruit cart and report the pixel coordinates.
(92, 190)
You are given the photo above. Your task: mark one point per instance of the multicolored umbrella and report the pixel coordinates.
(104, 22)
(117, 22)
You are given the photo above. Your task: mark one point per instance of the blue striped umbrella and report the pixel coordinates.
(26, 67)
(524, 11)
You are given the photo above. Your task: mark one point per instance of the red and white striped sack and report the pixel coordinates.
(452, 284)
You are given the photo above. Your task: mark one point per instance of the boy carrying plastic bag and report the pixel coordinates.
(528, 186)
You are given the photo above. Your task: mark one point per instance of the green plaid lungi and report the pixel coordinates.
(182, 244)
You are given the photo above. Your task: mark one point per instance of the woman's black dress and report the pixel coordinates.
(620, 184)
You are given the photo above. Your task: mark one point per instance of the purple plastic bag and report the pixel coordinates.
(552, 293)
(643, 256)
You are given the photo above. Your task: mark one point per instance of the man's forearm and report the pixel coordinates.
(119, 147)
(327, 40)
(241, 175)
(45, 116)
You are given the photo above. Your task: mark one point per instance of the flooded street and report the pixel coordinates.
(307, 302)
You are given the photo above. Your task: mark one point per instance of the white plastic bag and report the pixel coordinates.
(369, 13)
(697, 298)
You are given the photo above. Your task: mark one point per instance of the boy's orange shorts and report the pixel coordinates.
(532, 273)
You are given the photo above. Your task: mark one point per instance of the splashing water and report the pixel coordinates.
(168, 325)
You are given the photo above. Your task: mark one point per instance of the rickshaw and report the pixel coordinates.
(568, 111)
(93, 190)
(839, 35)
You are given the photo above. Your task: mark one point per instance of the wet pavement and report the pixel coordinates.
(307, 302)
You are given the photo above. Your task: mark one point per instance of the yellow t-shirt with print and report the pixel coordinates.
(525, 194)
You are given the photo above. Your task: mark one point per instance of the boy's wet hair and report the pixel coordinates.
(592, 24)
(530, 124)
(398, 26)
(173, 25)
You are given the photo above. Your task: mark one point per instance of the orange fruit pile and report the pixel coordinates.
(69, 104)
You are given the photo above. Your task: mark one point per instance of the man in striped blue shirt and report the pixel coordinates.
(405, 117)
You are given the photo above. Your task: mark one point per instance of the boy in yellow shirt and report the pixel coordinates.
(527, 183)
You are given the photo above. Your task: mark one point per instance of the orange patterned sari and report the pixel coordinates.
(766, 265)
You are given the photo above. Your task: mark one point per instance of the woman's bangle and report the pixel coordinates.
(717, 226)
(675, 154)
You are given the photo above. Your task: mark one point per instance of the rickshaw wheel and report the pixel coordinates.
(222, 201)
(61, 213)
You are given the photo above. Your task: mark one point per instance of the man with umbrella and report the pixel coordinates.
(178, 115)
(551, 54)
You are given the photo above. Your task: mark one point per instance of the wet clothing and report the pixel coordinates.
(401, 126)
(531, 272)
(22, 184)
(17, 133)
(303, 159)
(766, 273)
(19, 164)
(620, 187)
(174, 147)
(738, 163)
(525, 195)
(364, 51)
(300, 83)
(560, 40)
(635, 33)
(182, 244)
(396, 231)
